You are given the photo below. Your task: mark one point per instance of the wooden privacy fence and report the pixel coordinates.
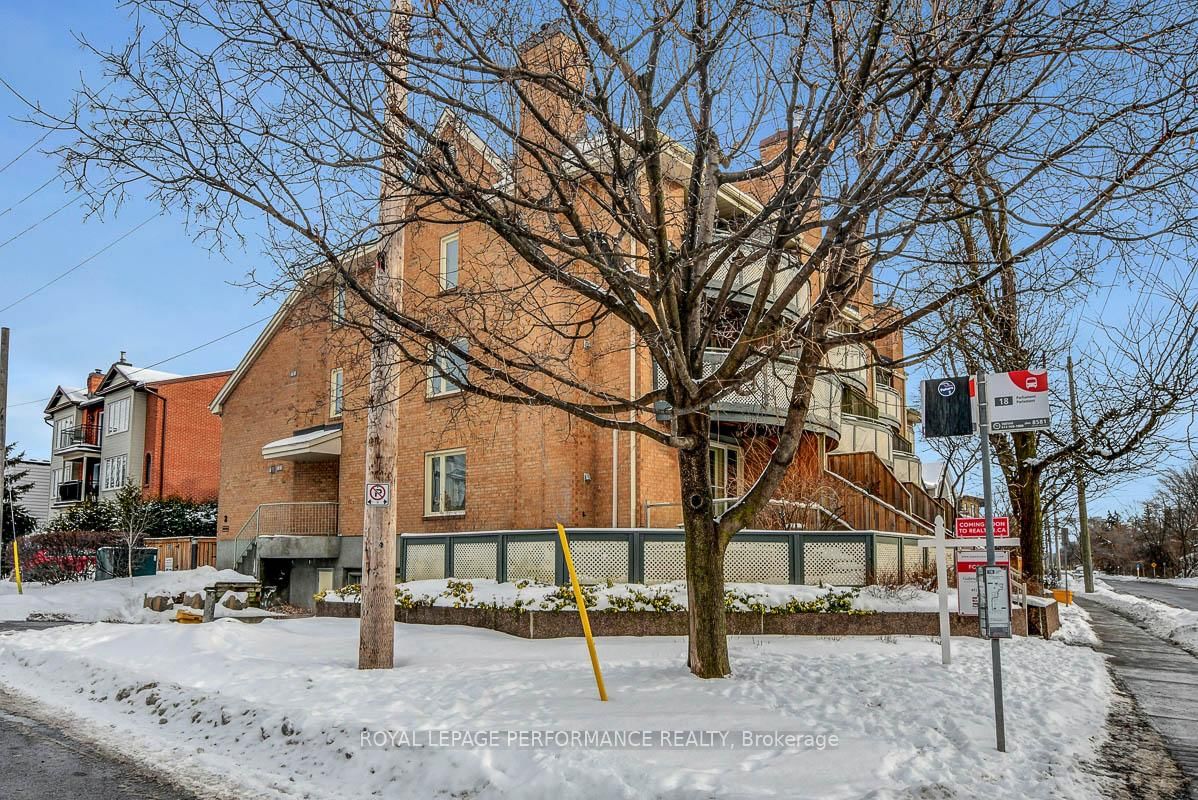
(651, 555)
(184, 552)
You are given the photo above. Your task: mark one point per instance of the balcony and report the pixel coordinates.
(750, 272)
(75, 491)
(890, 405)
(80, 437)
(767, 398)
(849, 361)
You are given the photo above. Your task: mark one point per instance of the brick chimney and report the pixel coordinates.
(550, 51)
(93, 380)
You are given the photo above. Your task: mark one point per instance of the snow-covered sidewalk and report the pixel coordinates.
(279, 710)
(1177, 625)
(117, 600)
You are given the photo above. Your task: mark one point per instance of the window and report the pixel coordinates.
(116, 470)
(336, 392)
(324, 580)
(445, 483)
(61, 438)
(338, 301)
(449, 262)
(724, 461)
(117, 415)
(448, 371)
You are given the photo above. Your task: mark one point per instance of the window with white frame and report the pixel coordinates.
(336, 392)
(445, 483)
(447, 372)
(339, 301)
(116, 470)
(449, 261)
(61, 427)
(116, 415)
(724, 461)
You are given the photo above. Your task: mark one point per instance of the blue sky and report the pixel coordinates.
(154, 294)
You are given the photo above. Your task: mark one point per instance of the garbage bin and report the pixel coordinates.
(112, 562)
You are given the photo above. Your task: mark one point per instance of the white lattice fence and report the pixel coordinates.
(599, 561)
(886, 561)
(664, 561)
(531, 560)
(912, 560)
(835, 563)
(474, 559)
(757, 562)
(425, 561)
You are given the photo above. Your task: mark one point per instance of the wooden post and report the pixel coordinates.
(3, 434)
(376, 638)
(1083, 523)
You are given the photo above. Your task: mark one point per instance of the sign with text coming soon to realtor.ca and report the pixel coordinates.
(975, 527)
(946, 408)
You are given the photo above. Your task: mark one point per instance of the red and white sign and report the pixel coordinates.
(968, 562)
(1018, 401)
(970, 527)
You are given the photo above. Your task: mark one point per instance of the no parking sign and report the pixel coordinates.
(378, 494)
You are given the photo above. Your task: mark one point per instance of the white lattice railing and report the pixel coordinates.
(890, 404)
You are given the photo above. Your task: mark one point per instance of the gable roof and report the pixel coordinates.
(121, 374)
(65, 394)
(272, 327)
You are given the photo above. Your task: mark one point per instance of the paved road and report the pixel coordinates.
(1163, 678)
(1179, 596)
(40, 763)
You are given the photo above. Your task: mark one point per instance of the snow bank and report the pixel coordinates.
(1177, 625)
(284, 702)
(117, 600)
(1075, 626)
(658, 597)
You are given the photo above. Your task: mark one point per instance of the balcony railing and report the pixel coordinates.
(903, 445)
(767, 398)
(285, 519)
(849, 362)
(890, 404)
(74, 491)
(80, 436)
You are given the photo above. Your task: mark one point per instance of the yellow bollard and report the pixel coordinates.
(16, 566)
(582, 612)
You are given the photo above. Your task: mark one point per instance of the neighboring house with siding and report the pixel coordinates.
(134, 424)
(35, 501)
(293, 449)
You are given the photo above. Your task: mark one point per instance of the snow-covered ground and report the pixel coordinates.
(661, 597)
(1177, 625)
(1075, 626)
(1186, 583)
(117, 600)
(279, 710)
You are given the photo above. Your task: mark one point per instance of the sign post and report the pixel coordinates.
(1000, 727)
(946, 647)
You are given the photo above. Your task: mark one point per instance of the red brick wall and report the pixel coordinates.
(178, 419)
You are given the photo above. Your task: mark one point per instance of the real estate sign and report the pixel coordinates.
(968, 563)
(970, 527)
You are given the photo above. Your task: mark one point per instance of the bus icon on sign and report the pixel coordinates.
(946, 388)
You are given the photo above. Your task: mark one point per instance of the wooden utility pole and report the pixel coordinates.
(1083, 521)
(3, 430)
(376, 642)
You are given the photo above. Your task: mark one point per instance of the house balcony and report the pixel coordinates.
(849, 361)
(767, 399)
(75, 492)
(890, 406)
(750, 272)
(81, 438)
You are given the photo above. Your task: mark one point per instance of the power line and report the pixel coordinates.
(39, 222)
(94, 255)
(189, 351)
(26, 197)
(19, 155)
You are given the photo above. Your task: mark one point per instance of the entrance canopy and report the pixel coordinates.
(317, 444)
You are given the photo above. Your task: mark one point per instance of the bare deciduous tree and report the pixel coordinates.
(606, 154)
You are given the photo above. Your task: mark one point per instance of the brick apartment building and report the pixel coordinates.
(134, 424)
(293, 439)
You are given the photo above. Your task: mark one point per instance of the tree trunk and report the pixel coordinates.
(708, 628)
(1029, 511)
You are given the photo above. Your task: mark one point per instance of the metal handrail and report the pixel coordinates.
(91, 435)
(264, 522)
